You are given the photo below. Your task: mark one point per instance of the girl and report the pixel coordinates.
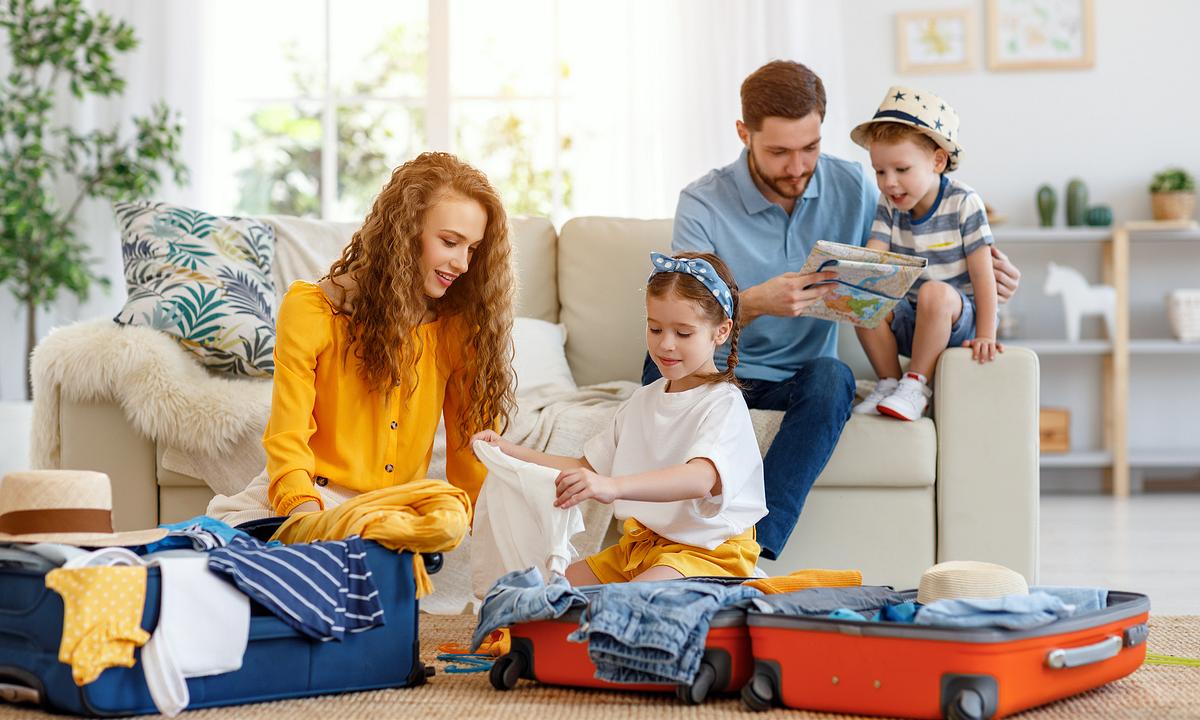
(411, 324)
(680, 461)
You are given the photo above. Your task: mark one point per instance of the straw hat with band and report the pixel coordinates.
(72, 507)
(969, 579)
(922, 110)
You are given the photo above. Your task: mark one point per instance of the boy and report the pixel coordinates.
(913, 141)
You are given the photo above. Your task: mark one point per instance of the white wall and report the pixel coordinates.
(1114, 125)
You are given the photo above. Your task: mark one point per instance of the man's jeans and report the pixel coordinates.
(816, 403)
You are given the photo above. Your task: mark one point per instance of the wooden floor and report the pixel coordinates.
(1147, 543)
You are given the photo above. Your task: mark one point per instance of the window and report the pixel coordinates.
(320, 100)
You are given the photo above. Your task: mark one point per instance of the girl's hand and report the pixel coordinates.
(983, 349)
(579, 484)
(491, 437)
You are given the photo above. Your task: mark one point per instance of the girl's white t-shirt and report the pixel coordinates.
(655, 429)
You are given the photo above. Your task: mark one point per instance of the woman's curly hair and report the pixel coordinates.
(383, 258)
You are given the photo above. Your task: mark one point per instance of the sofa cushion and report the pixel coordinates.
(605, 312)
(873, 451)
(535, 246)
(202, 279)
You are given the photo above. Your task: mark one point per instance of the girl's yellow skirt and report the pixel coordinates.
(640, 549)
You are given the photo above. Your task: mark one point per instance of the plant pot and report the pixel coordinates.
(1173, 205)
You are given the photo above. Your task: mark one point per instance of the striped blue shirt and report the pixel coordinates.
(952, 229)
(322, 589)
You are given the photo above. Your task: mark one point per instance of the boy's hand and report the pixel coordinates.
(983, 349)
(305, 507)
(578, 484)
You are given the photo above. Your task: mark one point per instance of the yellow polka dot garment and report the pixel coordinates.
(102, 617)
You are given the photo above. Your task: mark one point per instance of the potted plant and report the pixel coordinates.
(47, 168)
(1173, 195)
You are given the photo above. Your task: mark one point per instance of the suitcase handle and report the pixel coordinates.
(1086, 655)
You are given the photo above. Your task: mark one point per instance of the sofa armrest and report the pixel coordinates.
(97, 436)
(987, 478)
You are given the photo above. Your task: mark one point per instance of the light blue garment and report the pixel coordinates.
(819, 602)
(1012, 612)
(725, 213)
(846, 614)
(198, 533)
(523, 596)
(904, 612)
(653, 632)
(1083, 598)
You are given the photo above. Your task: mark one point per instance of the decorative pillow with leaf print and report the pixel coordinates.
(204, 279)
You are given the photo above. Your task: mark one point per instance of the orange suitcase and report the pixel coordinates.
(919, 671)
(540, 651)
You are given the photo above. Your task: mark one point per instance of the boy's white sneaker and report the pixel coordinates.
(870, 404)
(909, 400)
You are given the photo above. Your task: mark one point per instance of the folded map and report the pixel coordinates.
(868, 285)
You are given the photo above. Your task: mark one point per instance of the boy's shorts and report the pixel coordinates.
(640, 549)
(904, 324)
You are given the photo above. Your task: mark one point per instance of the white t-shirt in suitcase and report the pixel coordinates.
(655, 429)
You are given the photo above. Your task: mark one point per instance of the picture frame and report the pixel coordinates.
(1040, 34)
(935, 41)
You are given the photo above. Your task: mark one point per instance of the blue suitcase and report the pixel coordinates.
(279, 662)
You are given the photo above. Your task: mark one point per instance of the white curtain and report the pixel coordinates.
(167, 65)
(654, 90)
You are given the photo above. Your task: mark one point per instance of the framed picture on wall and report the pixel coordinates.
(935, 41)
(1040, 34)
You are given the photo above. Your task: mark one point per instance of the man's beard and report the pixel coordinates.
(776, 183)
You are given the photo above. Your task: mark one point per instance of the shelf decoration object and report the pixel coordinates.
(1183, 312)
(1173, 195)
(1077, 197)
(936, 41)
(1099, 216)
(1081, 298)
(1054, 430)
(1040, 34)
(1047, 203)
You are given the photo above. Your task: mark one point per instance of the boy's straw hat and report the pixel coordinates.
(72, 507)
(919, 109)
(969, 579)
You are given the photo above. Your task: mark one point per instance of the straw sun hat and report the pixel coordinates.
(72, 507)
(969, 579)
(924, 111)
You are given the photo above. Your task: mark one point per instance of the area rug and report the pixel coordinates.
(1154, 691)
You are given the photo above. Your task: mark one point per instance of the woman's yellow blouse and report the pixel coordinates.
(325, 424)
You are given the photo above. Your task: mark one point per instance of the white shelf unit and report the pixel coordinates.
(1145, 349)
(1111, 457)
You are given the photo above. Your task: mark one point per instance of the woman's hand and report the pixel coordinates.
(578, 484)
(491, 437)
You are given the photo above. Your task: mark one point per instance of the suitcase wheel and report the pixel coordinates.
(695, 693)
(759, 693)
(966, 705)
(506, 671)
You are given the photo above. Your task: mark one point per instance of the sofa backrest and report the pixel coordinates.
(602, 268)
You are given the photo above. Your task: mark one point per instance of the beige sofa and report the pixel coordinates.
(895, 498)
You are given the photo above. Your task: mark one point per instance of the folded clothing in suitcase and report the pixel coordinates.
(540, 651)
(279, 662)
(917, 671)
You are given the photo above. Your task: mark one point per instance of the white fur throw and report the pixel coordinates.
(166, 395)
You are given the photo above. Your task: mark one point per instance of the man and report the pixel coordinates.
(762, 215)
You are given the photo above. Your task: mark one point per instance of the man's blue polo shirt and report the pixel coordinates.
(725, 213)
